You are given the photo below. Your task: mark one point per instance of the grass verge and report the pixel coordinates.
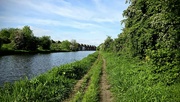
(133, 80)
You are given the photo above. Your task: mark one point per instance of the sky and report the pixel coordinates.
(86, 21)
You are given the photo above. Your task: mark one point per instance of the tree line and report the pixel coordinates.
(71, 46)
(24, 39)
(152, 33)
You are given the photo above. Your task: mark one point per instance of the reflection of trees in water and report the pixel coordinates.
(15, 67)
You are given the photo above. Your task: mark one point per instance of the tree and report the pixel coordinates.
(151, 31)
(33, 43)
(12, 32)
(58, 41)
(74, 45)
(5, 35)
(1, 43)
(45, 42)
(30, 40)
(65, 45)
(24, 39)
(108, 44)
(19, 40)
(27, 31)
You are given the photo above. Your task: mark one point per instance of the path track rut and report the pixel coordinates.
(105, 95)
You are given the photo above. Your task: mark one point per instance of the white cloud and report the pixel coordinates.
(49, 22)
(65, 19)
(93, 37)
(101, 12)
(40, 31)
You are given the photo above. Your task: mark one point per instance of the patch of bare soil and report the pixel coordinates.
(105, 95)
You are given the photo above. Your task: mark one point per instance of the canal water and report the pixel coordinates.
(16, 67)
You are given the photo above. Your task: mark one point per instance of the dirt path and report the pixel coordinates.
(105, 95)
(79, 85)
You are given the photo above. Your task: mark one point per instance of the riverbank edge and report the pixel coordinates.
(17, 52)
(54, 85)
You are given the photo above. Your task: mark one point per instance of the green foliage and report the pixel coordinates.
(92, 92)
(134, 81)
(24, 39)
(80, 93)
(151, 33)
(12, 32)
(74, 45)
(55, 85)
(65, 45)
(9, 46)
(1, 43)
(108, 44)
(27, 31)
(55, 47)
(152, 25)
(89, 89)
(32, 43)
(45, 42)
(4, 35)
(19, 40)
(14, 39)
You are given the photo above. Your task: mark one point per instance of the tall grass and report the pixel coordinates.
(133, 80)
(55, 85)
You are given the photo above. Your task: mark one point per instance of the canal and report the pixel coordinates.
(16, 67)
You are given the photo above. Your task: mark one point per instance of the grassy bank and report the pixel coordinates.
(89, 90)
(55, 85)
(133, 80)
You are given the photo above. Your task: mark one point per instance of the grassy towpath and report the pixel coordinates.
(129, 79)
(105, 95)
(93, 87)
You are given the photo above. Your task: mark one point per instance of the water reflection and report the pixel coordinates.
(15, 67)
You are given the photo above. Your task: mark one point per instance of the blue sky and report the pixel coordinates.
(86, 21)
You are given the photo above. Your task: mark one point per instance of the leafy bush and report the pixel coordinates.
(151, 33)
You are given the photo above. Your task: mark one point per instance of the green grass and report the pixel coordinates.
(92, 92)
(133, 80)
(79, 94)
(55, 85)
(89, 91)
